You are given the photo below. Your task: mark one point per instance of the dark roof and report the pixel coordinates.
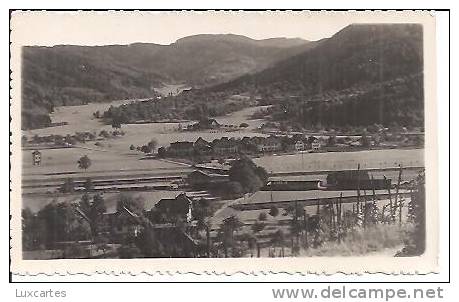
(205, 123)
(179, 204)
(225, 143)
(201, 140)
(257, 140)
(210, 121)
(272, 140)
(182, 145)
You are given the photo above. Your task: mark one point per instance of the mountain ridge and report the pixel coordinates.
(73, 74)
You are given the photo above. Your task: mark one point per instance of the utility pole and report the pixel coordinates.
(271, 188)
(391, 211)
(358, 188)
(208, 241)
(305, 224)
(364, 208)
(397, 197)
(358, 193)
(374, 211)
(338, 216)
(297, 231)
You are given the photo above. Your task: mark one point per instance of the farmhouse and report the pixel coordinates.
(225, 146)
(181, 149)
(205, 124)
(121, 224)
(202, 146)
(178, 207)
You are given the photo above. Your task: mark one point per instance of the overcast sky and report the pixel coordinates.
(102, 28)
(166, 28)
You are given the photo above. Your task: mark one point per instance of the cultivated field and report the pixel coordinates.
(113, 154)
(65, 161)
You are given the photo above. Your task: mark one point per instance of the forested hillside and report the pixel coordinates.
(364, 74)
(70, 75)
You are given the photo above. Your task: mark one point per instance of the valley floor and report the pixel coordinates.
(114, 163)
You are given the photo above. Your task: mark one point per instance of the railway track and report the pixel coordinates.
(350, 198)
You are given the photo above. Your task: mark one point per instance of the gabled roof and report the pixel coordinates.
(200, 140)
(180, 204)
(181, 145)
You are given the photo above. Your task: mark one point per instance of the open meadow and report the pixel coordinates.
(64, 161)
(114, 153)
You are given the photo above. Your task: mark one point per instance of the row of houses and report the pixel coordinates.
(256, 144)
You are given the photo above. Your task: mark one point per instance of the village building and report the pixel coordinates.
(205, 124)
(270, 144)
(36, 158)
(121, 223)
(225, 146)
(203, 180)
(181, 149)
(247, 144)
(178, 207)
(316, 145)
(299, 145)
(356, 179)
(202, 146)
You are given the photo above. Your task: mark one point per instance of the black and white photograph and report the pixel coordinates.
(275, 135)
